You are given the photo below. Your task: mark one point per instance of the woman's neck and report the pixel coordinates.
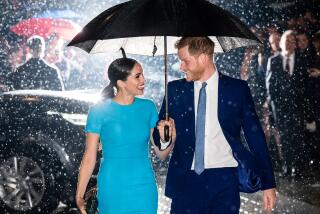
(124, 99)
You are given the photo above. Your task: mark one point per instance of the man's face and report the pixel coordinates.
(316, 45)
(274, 40)
(302, 41)
(190, 65)
(290, 44)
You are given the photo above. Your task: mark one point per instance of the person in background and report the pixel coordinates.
(313, 125)
(305, 47)
(286, 86)
(274, 40)
(5, 67)
(54, 55)
(35, 73)
(17, 55)
(271, 132)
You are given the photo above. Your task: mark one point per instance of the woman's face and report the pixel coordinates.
(134, 85)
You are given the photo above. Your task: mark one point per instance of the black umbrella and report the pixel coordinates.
(147, 26)
(141, 18)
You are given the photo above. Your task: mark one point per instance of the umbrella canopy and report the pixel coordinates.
(44, 27)
(128, 24)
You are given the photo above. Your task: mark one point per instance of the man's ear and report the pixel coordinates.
(203, 58)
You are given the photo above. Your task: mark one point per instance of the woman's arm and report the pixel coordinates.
(87, 166)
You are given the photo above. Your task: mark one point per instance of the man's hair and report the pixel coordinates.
(274, 34)
(301, 32)
(196, 45)
(284, 36)
(35, 43)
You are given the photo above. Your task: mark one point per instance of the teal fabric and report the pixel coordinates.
(126, 181)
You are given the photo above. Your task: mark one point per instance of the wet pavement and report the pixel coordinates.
(293, 197)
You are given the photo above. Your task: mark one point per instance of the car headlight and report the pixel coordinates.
(76, 119)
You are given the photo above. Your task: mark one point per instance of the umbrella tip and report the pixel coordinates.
(123, 53)
(154, 50)
(154, 47)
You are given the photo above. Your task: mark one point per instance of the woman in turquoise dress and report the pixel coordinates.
(123, 123)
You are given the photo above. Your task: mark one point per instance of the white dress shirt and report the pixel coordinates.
(291, 62)
(217, 150)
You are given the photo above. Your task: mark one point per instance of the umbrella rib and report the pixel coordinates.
(223, 48)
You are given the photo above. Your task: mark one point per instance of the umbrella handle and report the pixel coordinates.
(166, 133)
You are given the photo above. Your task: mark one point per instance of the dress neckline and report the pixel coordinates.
(124, 105)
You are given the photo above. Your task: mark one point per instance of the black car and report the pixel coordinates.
(41, 146)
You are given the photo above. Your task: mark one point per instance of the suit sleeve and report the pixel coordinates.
(271, 84)
(269, 80)
(56, 82)
(10, 81)
(255, 138)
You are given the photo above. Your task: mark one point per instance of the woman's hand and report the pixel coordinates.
(172, 129)
(86, 168)
(81, 204)
(163, 153)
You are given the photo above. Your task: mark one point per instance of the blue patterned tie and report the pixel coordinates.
(200, 130)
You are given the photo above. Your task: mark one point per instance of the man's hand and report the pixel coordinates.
(314, 72)
(311, 127)
(269, 199)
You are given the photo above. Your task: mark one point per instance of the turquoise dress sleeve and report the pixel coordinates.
(94, 121)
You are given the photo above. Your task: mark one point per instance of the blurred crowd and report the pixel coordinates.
(284, 76)
(33, 59)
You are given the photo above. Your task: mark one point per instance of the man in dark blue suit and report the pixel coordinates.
(209, 111)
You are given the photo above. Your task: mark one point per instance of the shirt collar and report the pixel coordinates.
(213, 80)
(291, 56)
